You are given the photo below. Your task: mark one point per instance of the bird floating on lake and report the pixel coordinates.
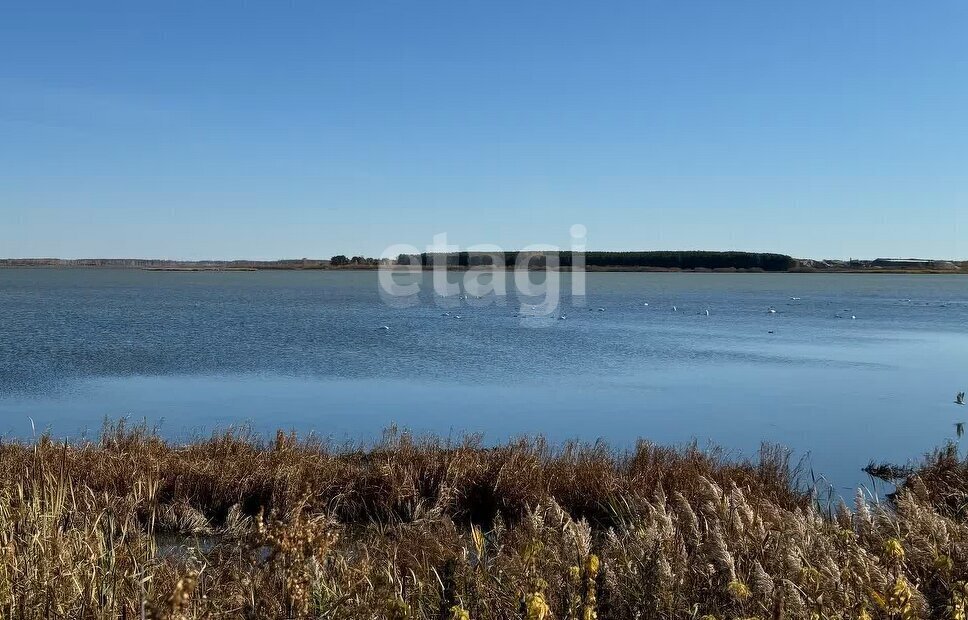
(646, 304)
(794, 299)
(771, 311)
(960, 398)
(562, 317)
(384, 327)
(707, 311)
(674, 309)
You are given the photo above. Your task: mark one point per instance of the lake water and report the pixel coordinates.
(304, 350)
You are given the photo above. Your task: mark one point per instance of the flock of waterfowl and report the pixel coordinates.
(562, 317)
(703, 312)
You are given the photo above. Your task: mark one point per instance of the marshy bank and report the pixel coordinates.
(428, 528)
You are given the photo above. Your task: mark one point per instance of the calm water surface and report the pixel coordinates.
(201, 351)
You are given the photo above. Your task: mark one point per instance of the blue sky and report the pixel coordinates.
(280, 129)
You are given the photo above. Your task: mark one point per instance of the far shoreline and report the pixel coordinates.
(405, 269)
(565, 261)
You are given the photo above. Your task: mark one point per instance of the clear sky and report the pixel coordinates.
(281, 130)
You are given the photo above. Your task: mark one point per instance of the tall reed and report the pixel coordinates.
(132, 526)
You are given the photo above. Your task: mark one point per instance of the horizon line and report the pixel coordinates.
(562, 251)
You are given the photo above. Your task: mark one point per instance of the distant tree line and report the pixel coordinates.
(655, 260)
(687, 260)
(692, 260)
(341, 260)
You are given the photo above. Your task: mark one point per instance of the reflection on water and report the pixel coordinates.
(303, 350)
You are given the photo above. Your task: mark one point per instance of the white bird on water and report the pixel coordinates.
(772, 311)
(960, 398)
(674, 309)
(707, 311)
(384, 327)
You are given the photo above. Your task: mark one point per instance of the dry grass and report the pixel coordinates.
(427, 529)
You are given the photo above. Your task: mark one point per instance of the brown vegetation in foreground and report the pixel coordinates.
(131, 526)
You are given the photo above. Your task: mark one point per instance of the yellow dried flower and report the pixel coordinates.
(535, 607)
(459, 613)
(738, 590)
(958, 608)
(592, 565)
(846, 535)
(894, 549)
(899, 600)
(574, 575)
